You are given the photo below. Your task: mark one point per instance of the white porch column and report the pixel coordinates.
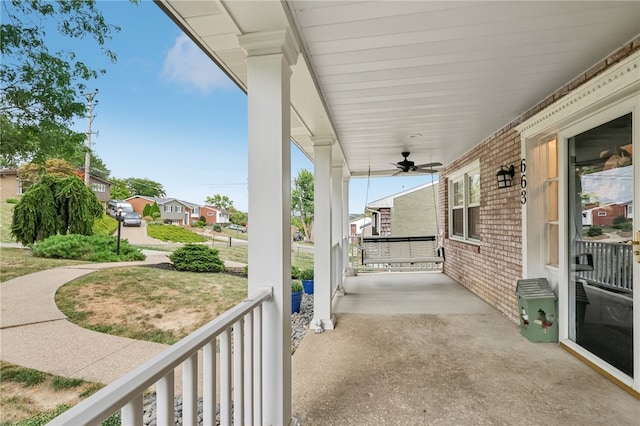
(346, 247)
(322, 232)
(270, 56)
(337, 268)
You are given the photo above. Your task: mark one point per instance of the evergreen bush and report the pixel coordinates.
(197, 258)
(594, 231)
(217, 227)
(95, 248)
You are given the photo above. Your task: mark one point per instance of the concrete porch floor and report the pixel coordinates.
(420, 349)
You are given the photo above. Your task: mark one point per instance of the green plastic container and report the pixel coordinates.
(537, 310)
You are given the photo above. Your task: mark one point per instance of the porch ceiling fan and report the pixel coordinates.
(406, 166)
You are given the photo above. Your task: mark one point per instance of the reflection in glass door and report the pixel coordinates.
(600, 226)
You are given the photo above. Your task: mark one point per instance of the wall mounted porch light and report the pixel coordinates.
(504, 176)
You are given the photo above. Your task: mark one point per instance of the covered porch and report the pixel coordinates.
(419, 348)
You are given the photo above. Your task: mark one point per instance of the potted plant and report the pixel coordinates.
(296, 295)
(306, 276)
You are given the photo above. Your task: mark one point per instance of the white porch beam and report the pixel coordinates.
(322, 231)
(269, 60)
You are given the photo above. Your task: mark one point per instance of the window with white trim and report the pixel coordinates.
(209, 213)
(98, 187)
(167, 208)
(178, 209)
(602, 214)
(464, 203)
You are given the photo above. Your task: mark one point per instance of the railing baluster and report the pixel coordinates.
(257, 365)
(126, 393)
(131, 414)
(190, 391)
(248, 369)
(238, 373)
(209, 384)
(165, 400)
(225, 378)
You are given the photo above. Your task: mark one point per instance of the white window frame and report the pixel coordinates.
(98, 187)
(602, 214)
(209, 213)
(178, 209)
(462, 176)
(167, 208)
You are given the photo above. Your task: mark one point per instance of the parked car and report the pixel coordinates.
(131, 219)
(238, 228)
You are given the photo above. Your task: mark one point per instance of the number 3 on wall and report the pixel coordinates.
(523, 181)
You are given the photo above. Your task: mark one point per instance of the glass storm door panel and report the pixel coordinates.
(600, 226)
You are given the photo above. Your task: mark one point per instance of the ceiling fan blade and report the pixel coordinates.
(428, 165)
(430, 171)
(396, 173)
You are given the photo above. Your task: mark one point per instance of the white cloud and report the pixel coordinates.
(611, 186)
(188, 65)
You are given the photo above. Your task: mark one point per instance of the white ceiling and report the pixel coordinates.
(432, 78)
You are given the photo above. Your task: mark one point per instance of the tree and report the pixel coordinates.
(119, 190)
(221, 201)
(146, 187)
(238, 217)
(39, 94)
(302, 200)
(55, 205)
(30, 173)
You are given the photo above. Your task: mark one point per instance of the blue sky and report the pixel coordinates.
(165, 112)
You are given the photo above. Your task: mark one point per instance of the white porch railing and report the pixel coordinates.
(612, 264)
(240, 387)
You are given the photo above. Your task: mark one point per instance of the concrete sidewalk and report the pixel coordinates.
(35, 334)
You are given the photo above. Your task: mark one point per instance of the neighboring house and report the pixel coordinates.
(12, 187)
(171, 209)
(409, 213)
(180, 212)
(360, 227)
(604, 215)
(214, 215)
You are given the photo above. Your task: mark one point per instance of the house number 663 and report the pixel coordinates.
(523, 182)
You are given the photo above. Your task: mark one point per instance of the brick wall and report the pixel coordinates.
(492, 268)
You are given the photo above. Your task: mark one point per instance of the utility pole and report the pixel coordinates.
(90, 117)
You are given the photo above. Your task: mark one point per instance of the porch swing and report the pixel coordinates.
(397, 251)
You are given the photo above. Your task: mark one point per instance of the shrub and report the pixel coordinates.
(156, 215)
(198, 224)
(197, 258)
(619, 220)
(306, 274)
(626, 226)
(295, 272)
(217, 227)
(594, 231)
(95, 248)
(245, 270)
(203, 219)
(296, 286)
(12, 200)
